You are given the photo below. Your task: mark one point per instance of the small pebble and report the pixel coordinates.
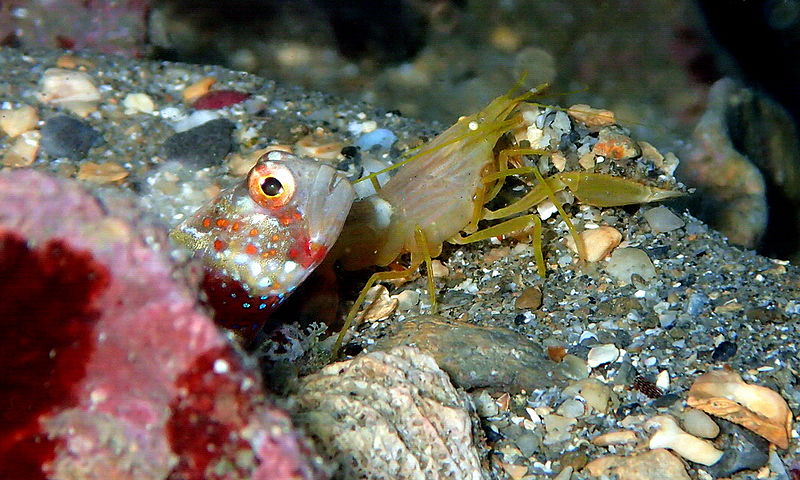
(407, 299)
(625, 262)
(698, 423)
(601, 354)
(620, 437)
(197, 89)
(22, 152)
(613, 144)
(599, 242)
(596, 393)
(101, 172)
(575, 459)
(138, 103)
(380, 136)
(21, 120)
(724, 351)
(661, 219)
(320, 147)
(571, 408)
(529, 299)
(574, 368)
(65, 136)
(201, 146)
(744, 450)
(70, 89)
(591, 117)
(216, 99)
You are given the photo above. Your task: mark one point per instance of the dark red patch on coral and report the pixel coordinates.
(47, 316)
(208, 416)
(219, 99)
(234, 308)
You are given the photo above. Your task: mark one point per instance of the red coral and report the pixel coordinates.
(216, 99)
(47, 314)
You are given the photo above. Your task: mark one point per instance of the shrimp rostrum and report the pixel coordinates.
(440, 191)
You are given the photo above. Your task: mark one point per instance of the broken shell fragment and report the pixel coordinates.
(23, 151)
(19, 121)
(724, 394)
(669, 435)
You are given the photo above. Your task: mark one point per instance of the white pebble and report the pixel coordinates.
(601, 354)
(625, 262)
(138, 103)
(661, 219)
(195, 120)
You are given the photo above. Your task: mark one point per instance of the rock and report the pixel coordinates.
(724, 394)
(628, 261)
(669, 435)
(744, 450)
(592, 117)
(390, 414)
(621, 437)
(599, 242)
(571, 408)
(529, 299)
(72, 90)
(22, 152)
(724, 351)
(654, 465)
(601, 354)
(106, 172)
(698, 423)
(140, 383)
(596, 393)
(614, 144)
(661, 219)
(201, 146)
(138, 103)
(474, 356)
(21, 120)
(379, 137)
(197, 89)
(65, 136)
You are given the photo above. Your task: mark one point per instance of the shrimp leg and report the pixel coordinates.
(544, 186)
(418, 256)
(516, 224)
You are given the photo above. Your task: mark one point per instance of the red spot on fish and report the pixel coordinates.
(207, 222)
(251, 249)
(219, 99)
(234, 307)
(236, 226)
(222, 222)
(47, 317)
(219, 245)
(253, 232)
(307, 253)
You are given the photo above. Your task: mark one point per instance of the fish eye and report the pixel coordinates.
(271, 187)
(270, 184)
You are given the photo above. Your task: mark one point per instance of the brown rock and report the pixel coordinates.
(654, 465)
(530, 299)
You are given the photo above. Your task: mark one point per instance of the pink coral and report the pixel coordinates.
(110, 369)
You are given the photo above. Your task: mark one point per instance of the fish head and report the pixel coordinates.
(271, 230)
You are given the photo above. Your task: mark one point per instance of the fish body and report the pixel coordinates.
(262, 237)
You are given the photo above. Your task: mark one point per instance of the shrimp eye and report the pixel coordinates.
(270, 184)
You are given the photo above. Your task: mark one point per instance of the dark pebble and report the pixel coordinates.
(65, 136)
(201, 146)
(724, 351)
(744, 450)
(665, 400)
(351, 151)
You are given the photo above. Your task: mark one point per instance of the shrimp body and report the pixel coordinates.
(261, 238)
(436, 190)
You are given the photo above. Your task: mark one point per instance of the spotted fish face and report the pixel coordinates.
(270, 231)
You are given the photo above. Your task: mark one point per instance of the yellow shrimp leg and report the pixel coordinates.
(524, 203)
(516, 224)
(423, 251)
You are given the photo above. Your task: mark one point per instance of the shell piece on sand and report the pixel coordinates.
(724, 394)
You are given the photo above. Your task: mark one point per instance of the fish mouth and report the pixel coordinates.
(329, 201)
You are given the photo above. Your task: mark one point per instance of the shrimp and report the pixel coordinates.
(441, 191)
(261, 238)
